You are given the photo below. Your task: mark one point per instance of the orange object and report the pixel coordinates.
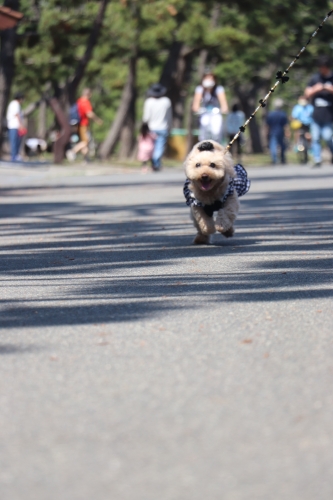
(9, 18)
(84, 106)
(22, 131)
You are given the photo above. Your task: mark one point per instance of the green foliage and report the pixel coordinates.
(52, 40)
(247, 43)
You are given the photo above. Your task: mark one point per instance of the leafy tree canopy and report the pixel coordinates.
(246, 44)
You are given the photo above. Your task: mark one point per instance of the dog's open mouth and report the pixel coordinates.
(206, 182)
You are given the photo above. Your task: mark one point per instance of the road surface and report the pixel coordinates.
(136, 366)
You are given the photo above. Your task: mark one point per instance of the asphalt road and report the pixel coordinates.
(136, 366)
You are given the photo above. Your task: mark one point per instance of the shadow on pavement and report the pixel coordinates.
(105, 263)
(14, 349)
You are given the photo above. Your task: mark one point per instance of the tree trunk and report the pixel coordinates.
(127, 100)
(7, 66)
(190, 125)
(30, 109)
(127, 135)
(169, 72)
(203, 56)
(64, 133)
(178, 92)
(190, 119)
(41, 127)
(248, 103)
(92, 41)
(174, 75)
(202, 63)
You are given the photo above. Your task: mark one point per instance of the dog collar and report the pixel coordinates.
(240, 183)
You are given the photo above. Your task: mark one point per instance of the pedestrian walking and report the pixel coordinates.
(277, 122)
(15, 126)
(146, 143)
(320, 92)
(157, 114)
(235, 120)
(85, 113)
(210, 103)
(302, 113)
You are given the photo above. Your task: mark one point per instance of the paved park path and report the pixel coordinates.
(135, 366)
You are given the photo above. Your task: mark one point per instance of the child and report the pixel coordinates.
(146, 144)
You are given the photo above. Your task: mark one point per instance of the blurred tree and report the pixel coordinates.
(254, 41)
(56, 43)
(7, 64)
(156, 28)
(94, 34)
(172, 41)
(141, 42)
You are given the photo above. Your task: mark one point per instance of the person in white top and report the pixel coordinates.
(14, 125)
(210, 103)
(157, 113)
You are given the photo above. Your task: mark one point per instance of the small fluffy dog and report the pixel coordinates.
(213, 184)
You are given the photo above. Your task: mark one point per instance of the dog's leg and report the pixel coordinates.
(204, 224)
(226, 216)
(201, 239)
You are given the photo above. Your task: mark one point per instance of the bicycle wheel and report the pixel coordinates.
(302, 150)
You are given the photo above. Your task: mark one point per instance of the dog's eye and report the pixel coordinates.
(198, 164)
(212, 165)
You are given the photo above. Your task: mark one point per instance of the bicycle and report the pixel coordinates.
(303, 144)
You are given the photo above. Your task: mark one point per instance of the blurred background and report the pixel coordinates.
(119, 48)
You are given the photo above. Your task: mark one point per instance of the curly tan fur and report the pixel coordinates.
(210, 173)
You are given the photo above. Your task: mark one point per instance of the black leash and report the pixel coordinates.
(280, 77)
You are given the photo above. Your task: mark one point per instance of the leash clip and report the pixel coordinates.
(279, 76)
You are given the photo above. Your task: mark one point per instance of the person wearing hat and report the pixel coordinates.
(15, 125)
(277, 122)
(320, 92)
(157, 114)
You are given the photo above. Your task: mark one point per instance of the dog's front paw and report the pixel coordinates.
(201, 239)
(219, 226)
(224, 226)
(230, 232)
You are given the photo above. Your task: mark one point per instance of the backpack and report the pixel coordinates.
(210, 100)
(74, 117)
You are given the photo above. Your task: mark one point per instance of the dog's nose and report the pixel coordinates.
(204, 177)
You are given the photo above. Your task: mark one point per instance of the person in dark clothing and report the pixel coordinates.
(277, 122)
(320, 92)
(235, 120)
